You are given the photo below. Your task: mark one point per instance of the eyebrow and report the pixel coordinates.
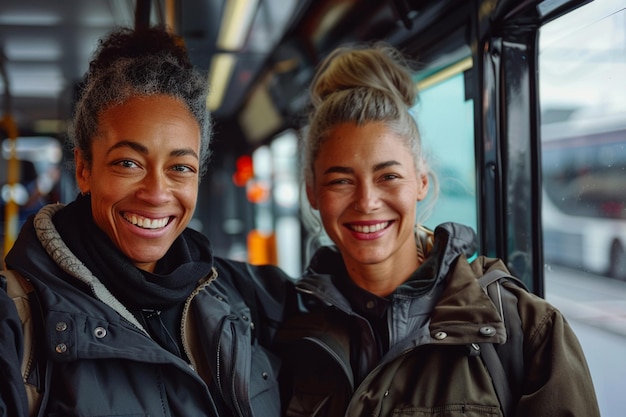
(144, 150)
(348, 170)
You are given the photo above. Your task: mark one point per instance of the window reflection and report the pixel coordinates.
(582, 73)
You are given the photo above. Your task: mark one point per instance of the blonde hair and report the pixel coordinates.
(360, 85)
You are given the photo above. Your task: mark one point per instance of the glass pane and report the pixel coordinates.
(582, 73)
(445, 118)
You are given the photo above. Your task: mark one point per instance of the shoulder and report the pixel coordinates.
(267, 283)
(12, 347)
(539, 317)
(262, 275)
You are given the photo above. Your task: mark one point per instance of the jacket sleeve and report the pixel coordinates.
(558, 381)
(267, 290)
(13, 401)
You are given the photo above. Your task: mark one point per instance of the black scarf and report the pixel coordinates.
(187, 261)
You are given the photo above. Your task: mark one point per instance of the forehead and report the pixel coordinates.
(160, 119)
(348, 143)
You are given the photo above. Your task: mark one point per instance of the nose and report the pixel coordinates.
(367, 199)
(155, 188)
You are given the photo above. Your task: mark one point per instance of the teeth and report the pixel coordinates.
(369, 229)
(145, 222)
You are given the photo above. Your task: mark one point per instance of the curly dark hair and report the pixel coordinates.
(139, 62)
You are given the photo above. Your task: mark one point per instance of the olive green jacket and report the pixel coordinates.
(431, 369)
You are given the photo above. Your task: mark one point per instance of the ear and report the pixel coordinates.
(82, 172)
(422, 186)
(310, 195)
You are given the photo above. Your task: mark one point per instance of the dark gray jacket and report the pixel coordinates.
(99, 361)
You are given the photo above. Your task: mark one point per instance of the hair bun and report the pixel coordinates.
(148, 42)
(379, 67)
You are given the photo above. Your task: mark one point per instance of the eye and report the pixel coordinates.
(126, 163)
(183, 168)
(339, 181)
(389, 177)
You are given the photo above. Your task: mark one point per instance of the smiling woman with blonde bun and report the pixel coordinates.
(392, 314)
(134, 316)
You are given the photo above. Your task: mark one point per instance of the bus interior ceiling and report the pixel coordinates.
(45, 49)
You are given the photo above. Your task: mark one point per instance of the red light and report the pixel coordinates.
(244, 170)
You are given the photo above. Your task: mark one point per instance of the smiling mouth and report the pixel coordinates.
(372, 228)
(146, 223)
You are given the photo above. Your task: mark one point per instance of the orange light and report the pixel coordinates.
(262, 248)
(257, 191)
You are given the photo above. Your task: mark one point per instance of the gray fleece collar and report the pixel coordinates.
(57, 249)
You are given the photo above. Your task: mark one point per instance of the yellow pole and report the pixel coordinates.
(11, 212)
(170, 15)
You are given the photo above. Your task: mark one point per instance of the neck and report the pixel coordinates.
(383, 278)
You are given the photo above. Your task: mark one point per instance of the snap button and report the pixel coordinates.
(243, 316)
(473, 349)
(61, 348)
(264, 375)
(440, 335)
(370, 304)
(100, 332)
(487, 331)
(61, 326)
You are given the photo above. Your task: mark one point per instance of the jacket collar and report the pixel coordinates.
(441, 249)
(463, 312)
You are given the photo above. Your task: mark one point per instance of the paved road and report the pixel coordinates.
(595, 306)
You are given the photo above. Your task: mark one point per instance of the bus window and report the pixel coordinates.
(445, 119)
(37, 184)
(274, 192)
(582, 79)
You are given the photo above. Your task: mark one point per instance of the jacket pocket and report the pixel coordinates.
(264, 389)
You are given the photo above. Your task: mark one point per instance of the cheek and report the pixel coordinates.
(189, 196)
(330, 204)
(102, 209)
(406, 202)
(324, 208)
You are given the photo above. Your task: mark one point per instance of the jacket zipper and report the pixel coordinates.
(234, 355)
(183, 321)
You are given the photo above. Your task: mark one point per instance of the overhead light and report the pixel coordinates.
(50, 126)
(219, 76)
(43, 80)
(236, 23)
(29, 18)
(33, 49)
